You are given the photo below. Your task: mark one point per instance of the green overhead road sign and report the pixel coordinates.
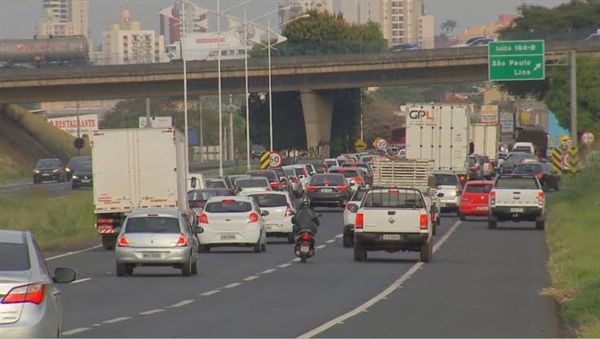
(516, 60)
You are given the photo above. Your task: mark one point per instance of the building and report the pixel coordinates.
(127, 43)
(288, 9)
(361, 11)
(64, 17)
(426, 32)
(196, 21)
(491, 29)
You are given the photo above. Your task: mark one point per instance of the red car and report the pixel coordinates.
(474, 199)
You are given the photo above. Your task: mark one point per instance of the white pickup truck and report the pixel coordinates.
(517, 198)
(393, 220)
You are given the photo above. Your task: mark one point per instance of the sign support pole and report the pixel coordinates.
(573, 95)
(78, 128)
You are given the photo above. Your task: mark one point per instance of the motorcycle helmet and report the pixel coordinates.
(305, 202)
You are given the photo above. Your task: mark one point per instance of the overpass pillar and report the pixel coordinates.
(317, 108)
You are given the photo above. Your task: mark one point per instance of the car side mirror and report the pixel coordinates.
(199, 230)
(63, 275)
(194, 182)
(294, 220)
(264, 213)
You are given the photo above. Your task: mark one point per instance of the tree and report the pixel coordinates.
(588, 95)
(574, 20)
(448, 27)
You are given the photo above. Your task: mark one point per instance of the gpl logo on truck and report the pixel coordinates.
(420, 114)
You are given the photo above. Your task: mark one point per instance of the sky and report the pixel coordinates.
(18, 17)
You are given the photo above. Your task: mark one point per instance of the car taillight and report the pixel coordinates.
(424, 221)
(294, 180)
(274, 184)
(122, 242)
(305, 237)
(462, 178)
(541, 198)
(358, 180)
(182, 241)
(203, 218)
(341, 188)
(32, 293)
(311, 188)
(540, 175)
(253, 217)
(289, 212)
(352, 208)
(359, 221)
(492, 198)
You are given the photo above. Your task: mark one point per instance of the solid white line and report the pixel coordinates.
(284, 265)
(76, 330)
(250, 278)
(331, 241)
(321, 246)
(296, 260)
(206, 294)
(81, 280)
(158, 310)
(364, 307)
(181, 303)
(339, 236)
(268, 271)
(73, 253)
(115, 320)
(232, 285)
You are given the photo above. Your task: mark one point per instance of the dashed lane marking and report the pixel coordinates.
(284, 265)
(339, 236)
(321, 246)
(181, 303)
(79, 281)
(232, 285)
(73, 253)
(269, 271)
(115, 320)
(330, 241)
(206, 294)
(76, 330)
(158, 310)
(250, 278)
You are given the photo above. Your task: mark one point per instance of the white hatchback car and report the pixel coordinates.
(281, 210)
(232, 221)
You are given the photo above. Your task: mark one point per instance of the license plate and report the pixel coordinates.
(391, 237)
(482, 208)
(45, 174)
(227, 236)
(327, 190)
(85, 181)
(304, 248)
(516, 210)
(151, 255)
(442, 204)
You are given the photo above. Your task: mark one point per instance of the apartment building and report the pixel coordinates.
(64, 17)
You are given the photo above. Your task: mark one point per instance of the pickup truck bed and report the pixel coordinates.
(517, 198)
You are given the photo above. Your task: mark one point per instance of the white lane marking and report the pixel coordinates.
(232, 285)
(369, 303)
(158, 310)
(284, 265)
(250, 278)
(181, 303)
(115, 320)
(57, 198)
(295, 260)
(269, 271)
(76, 330)
(339, 236)
(330, 241)
(321, 246)
(73, 253)
(206, 294)
(81, 280)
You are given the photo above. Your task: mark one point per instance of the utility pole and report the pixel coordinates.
(148, 123)
(201, 129)
(230, 143)
(573, 96)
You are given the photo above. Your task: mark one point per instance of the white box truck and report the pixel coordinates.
(136, 168)
(485, 140)
(439, 132)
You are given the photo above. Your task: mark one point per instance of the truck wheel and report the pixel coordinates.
(426, 254)
(492, 224)
(257, 247)
(109, 242)
(290, 238)
(186, 269)
(129, 269)
(360, 253)
(540, 225)
(347, 240)
(121, 270)
(461, 217)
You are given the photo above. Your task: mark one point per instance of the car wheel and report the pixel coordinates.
(121, 270)
(263, 246)
(347, 240)
(426, 254)
(195, 267)
(129, 269)
(540, 225)
(204, 249)
(257, 248)
(290, 238)
(492, 224)
(360, 253)
(186, 269)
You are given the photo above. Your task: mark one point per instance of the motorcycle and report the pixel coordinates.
(305, 245)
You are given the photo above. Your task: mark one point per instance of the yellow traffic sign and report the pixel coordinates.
(360, 145)
(265, 160)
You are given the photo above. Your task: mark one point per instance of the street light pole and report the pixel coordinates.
(270, 87)
(247, 91)
(219, 88)
(185, 88)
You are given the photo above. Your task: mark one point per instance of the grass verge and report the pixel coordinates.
(54, 223)
(573, 237)
(10, 171)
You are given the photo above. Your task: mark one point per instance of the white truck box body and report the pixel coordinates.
(199, 181)
(439, 132)
(485, 137)
(138, 168)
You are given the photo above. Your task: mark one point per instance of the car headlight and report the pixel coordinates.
(68, 169)
(56, 170)
(75, 177)
(36, 171)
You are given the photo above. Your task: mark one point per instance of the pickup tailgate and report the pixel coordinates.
(516, 198)
(391, 220)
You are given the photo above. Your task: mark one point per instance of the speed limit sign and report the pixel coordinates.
(381, 144)
(275, 160)
(587, 138)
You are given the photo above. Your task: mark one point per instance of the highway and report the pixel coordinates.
(482, 283)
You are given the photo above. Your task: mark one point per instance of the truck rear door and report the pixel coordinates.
(393, 211)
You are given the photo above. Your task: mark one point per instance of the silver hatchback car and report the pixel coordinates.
(157, 237)
(30, 305)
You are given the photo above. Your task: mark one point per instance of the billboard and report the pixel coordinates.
(507, 122)
(489, 114)
(156, 122)
(87, 124)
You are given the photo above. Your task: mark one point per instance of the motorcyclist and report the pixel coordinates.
(305, 217)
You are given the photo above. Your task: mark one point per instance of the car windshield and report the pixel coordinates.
(204, 195)
(234, 179)
(251, 183)
(75, 160)
(517, 183)
(522, 149)
(289, 172)
(215, 184)
(356, 164)
(49, 163)
(472, 161)
(270, 200)
(327, 179)
(14, 257)
(478, 188)
(446, 179)
(84, 166)
(394, 198)
(270, 175)
(483, 159)
(516, 157)
(528, 169)
(346, 173)
(228, 206)
(152, 225)
(330, 163)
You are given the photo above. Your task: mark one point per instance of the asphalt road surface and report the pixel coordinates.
(481, 283)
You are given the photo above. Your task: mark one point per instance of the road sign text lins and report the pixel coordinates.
(516, 60)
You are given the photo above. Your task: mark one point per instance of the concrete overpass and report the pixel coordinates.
(313, 76)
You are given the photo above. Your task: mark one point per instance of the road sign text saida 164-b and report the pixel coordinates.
(516, 60)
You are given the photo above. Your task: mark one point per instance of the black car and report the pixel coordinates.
(513, 159)
(543, 171)
(48, 170)
(82, 175)
(329, 190)
(72, 165)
